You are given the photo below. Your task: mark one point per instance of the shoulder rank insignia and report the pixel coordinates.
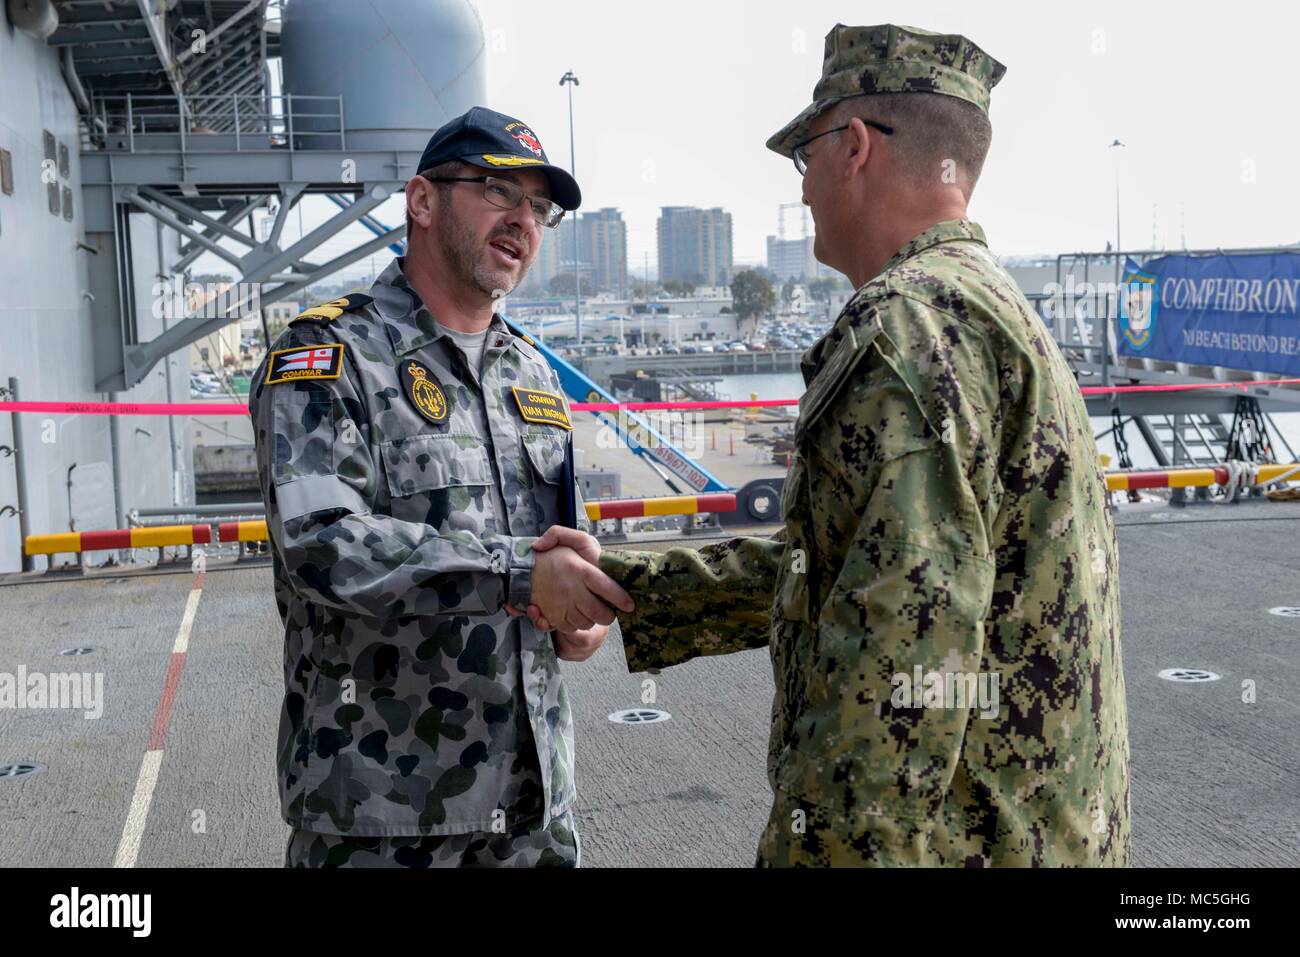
(305, 362)
(332, 310)
(544, 408)
(423, 391)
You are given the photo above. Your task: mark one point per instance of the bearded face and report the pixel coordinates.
(491, 258)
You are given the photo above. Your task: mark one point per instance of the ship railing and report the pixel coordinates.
(238, 122)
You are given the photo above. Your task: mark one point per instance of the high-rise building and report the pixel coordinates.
(547, 262)
(695, 245)
(602, 251)
(791, 258)
(604, 247)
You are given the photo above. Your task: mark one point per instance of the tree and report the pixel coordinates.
(562, 285)
(787, 291)
(679, 287)
(752, 294)
(822, 287)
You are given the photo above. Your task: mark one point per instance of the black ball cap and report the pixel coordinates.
(494, 141)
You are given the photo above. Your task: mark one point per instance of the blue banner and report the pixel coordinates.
(1241, 312)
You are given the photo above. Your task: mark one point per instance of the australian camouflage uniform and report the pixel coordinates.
(403, 491)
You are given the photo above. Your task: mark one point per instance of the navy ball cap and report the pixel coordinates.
(494, 141)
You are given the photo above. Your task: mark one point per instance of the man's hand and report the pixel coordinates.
(580, 645)
(588, 546)
(571, 594)
(585, 545)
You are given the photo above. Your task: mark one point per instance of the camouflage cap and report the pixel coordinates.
(893, 59)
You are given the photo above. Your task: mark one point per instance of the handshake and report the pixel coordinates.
(571, 595)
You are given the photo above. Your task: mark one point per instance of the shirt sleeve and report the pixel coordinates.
(320, 478)
(692, 602)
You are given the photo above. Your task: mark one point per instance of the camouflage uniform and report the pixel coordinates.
(556, 845)
(946, 511)
(403, 493)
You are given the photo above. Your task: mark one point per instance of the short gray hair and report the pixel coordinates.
(449, 168)
(930, 130)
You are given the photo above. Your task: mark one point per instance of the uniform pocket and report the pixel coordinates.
(792, 584)
(546, 451)
(423, 463)
(832, 377)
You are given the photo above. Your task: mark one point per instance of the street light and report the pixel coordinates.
(1105, 324)
(570, 80)
(1112, 146)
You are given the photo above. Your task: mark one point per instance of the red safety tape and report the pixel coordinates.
(233, 408)
(129, 408)
(656, 406)
(1108, 390)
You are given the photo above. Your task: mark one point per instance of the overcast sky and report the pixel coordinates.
(678, 97)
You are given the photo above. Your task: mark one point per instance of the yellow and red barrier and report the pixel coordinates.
(158, 536)
(1190, 478)
(255, 531)
(252, 531)
(662, 505)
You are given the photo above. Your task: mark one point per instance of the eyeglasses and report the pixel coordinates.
(504, 194)
(800, 152)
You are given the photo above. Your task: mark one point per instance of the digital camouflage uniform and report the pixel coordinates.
(403, 495)
(945, 510)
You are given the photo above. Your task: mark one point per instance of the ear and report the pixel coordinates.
(858, 143)
(420, 200)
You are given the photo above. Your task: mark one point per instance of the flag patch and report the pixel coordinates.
(312, 362)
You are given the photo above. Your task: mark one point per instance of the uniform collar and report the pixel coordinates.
(953, 230)
(946, 232)
(409, 322)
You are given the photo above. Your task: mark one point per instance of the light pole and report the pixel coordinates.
(1113, 145)
(570, 80)
(1119, 267)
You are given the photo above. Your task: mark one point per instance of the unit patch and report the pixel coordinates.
(424, 392)
(544, 408)
(311, 362)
